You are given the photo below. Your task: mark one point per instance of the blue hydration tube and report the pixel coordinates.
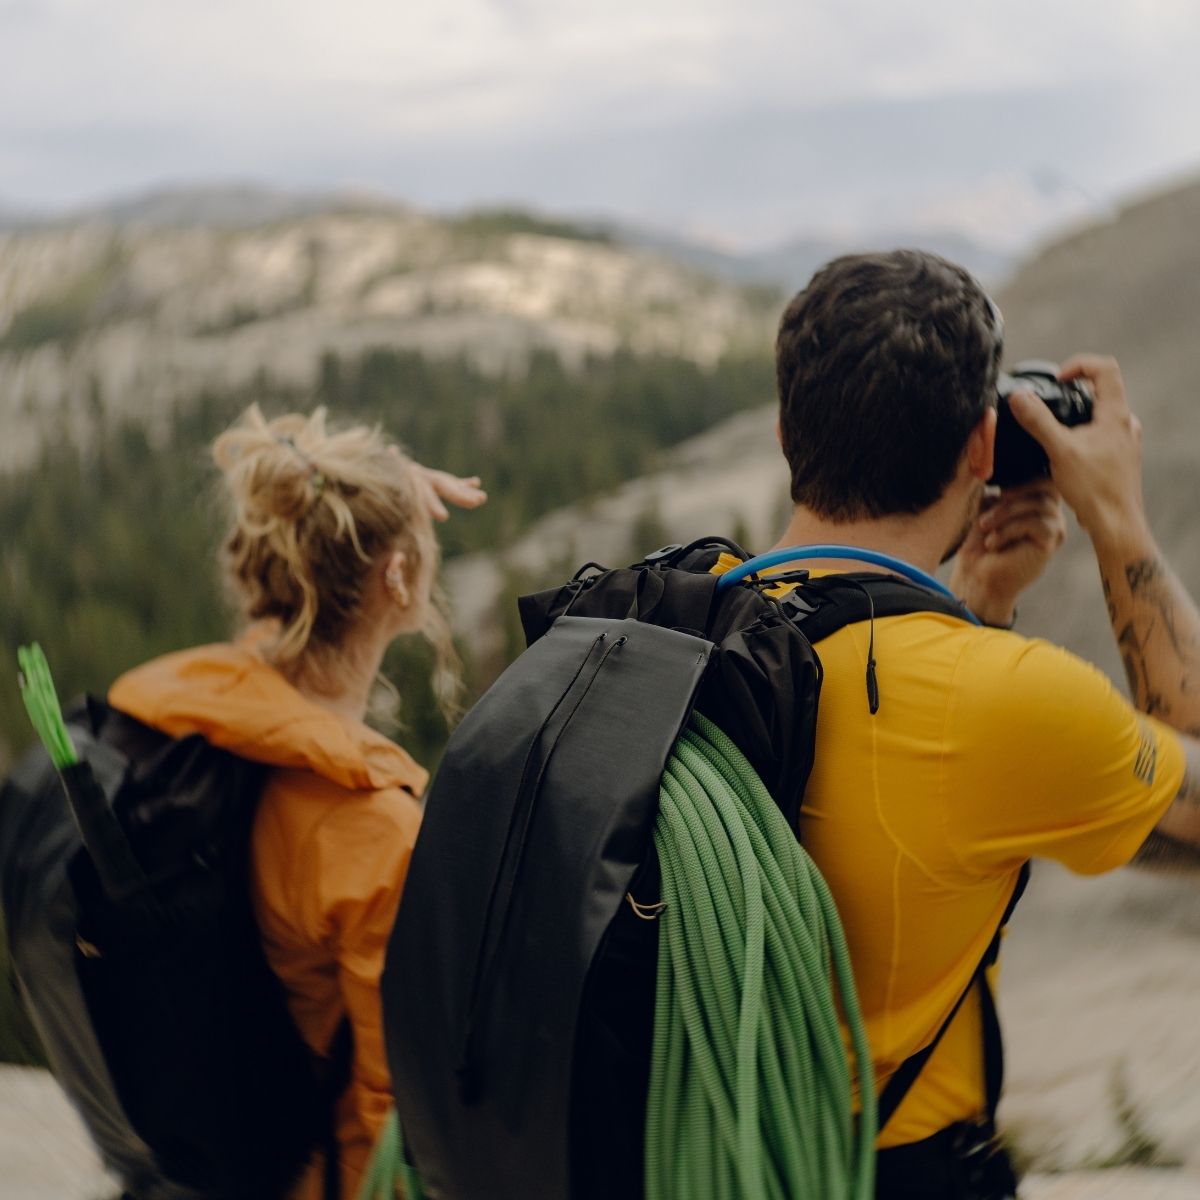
(786, 554)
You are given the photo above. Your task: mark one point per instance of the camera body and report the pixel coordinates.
(1019, 458)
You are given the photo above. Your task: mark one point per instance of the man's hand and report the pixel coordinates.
(1097, 466)
(444, 488)
(1007, 548)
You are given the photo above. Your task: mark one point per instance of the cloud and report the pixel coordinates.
(465, 100)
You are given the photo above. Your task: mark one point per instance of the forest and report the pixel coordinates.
(108, 552)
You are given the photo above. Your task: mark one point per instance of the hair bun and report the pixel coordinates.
(270, 476)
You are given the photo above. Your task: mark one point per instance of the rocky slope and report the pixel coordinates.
(139, 315)
(46, 1156)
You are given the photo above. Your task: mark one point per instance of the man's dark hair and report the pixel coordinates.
(885, 363)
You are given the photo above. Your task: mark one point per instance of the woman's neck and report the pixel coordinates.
(346, 677)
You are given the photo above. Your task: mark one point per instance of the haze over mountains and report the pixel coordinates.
(986, 227)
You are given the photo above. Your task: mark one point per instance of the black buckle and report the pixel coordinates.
(667, 552)
(796, 604)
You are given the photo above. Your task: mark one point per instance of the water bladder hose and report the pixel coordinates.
(750, 1089)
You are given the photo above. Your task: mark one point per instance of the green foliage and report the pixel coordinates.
(648, 532)
(62, 318)
(544, 438)
(111, 554)
(501, 222)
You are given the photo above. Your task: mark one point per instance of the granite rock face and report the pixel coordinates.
(138, 317)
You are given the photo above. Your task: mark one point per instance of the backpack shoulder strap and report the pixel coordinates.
(824, 605)
(821, 607)
(906, 1074)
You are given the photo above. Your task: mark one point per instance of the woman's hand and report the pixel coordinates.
(443, 489)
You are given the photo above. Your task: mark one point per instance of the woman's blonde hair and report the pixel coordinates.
(314, 512)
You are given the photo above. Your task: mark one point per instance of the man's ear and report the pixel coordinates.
(981, 446)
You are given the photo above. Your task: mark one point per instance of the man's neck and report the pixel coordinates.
(917, 540)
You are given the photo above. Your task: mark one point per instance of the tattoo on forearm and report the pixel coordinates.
(1162, 853)
(1142, 573)
(1108, 600)
(1153, 615)
(1133, 649)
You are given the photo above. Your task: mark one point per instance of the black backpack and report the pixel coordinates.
(519, 987)
(130, 926)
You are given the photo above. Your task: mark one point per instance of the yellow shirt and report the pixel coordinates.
(988, 749)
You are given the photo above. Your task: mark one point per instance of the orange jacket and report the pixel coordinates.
(331, 845)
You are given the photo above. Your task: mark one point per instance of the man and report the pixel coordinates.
(988, 749)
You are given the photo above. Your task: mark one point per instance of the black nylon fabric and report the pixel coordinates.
(762, 687)
(534, 826)
(38, 837)
(960, 1162)
(764, 680)
(136, 944)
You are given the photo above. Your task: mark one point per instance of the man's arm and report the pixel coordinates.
(1157, 629)
(1098, 470)
(1165, 856)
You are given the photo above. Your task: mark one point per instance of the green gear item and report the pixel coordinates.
(389, 1173)
(751, 1095)
(41, 702)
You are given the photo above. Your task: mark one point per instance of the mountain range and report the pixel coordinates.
(146, 305)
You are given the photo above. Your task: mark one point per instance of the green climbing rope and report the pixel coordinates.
(751, 1093)
(389, 1174)
(41, 702)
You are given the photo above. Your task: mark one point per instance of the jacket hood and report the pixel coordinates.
(228, 694)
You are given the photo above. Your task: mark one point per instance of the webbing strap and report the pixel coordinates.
(906, 1074)
(340, 1059)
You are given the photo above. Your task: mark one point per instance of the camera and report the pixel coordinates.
(1019, 459)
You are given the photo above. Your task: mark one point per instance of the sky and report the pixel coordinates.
(740, 121)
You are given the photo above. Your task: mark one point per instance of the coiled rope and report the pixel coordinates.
(751, 1095)
(750, 1088)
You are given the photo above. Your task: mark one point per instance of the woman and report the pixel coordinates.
(331, 555)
